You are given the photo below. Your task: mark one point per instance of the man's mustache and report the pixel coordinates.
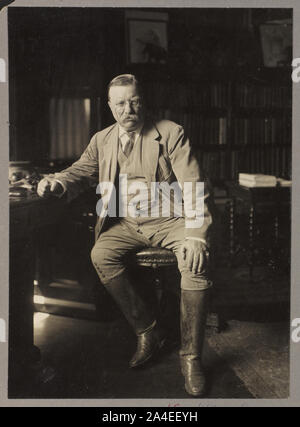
(132, 116)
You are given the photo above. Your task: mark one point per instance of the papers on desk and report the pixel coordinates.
(261, 180)
(18, 192)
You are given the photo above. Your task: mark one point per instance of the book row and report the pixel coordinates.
(206, 130)
(259, 96)
(202, 130)
(187, 95)
(220, 166)
(268, 160)
(261, 130)
(217, 95)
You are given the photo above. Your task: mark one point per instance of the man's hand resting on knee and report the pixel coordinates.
(194, 253)
(48, 187)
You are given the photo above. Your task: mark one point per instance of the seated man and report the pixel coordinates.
(146, 156)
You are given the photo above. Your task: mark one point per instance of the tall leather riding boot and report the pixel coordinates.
(193, 314)
(138, 316)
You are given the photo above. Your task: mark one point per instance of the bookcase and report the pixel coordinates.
(236, 112)
(238, 120)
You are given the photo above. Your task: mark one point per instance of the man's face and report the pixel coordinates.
(126, 106)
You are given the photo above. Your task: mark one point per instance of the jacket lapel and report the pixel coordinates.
(110, 152)
(108, 167)
(150, 152)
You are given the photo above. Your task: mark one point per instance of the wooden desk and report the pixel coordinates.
(28, 216)
(254, 200)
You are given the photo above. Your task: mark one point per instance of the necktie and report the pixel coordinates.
(129, 144)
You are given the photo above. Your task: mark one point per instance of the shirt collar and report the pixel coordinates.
(137, 131)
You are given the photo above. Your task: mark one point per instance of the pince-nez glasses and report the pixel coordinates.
(133, 103)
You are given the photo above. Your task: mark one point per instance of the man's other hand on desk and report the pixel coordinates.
(48, 187)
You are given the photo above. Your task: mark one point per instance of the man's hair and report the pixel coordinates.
(125, 80)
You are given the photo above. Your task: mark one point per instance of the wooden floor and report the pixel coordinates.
(90, 359)
(259, 355)
(256, 342)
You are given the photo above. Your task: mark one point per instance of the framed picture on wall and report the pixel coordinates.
(147, 38)
(276, 41)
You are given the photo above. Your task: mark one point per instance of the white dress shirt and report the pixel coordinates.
(123, 135)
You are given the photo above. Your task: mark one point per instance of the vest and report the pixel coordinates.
(138, 215)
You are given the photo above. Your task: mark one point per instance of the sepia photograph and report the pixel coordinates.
(150, 179)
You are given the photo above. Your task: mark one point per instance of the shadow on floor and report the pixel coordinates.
(90, 360)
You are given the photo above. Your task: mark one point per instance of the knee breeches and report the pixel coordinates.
(113, 246)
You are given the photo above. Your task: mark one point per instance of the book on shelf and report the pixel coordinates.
(284, 182)
(257, 180)
(246, 183)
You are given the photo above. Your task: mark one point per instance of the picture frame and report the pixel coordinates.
(276, 44)
(147, 38)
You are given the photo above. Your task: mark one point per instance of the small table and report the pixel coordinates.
(253, 199)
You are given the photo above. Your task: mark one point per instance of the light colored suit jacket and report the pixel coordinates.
(166, 154)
